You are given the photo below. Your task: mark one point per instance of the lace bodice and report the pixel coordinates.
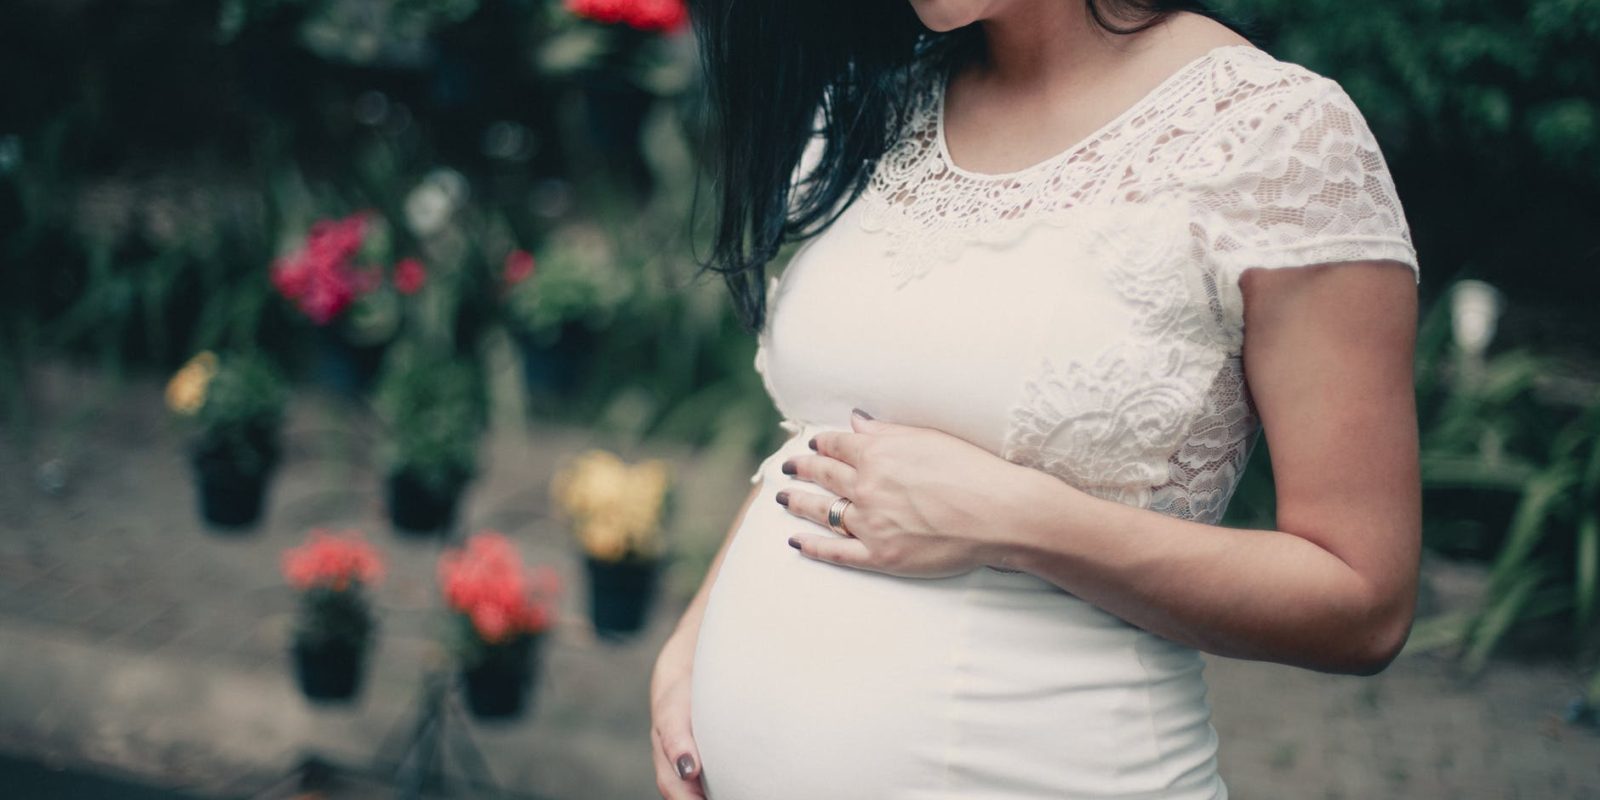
(1082, 316)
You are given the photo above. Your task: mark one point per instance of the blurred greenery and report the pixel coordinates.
(329, 616)
(1486, 110)
(240, 412)
(160, 155)
(435, 408)
(1511, 465)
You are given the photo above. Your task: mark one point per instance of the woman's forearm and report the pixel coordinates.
(1256, 594)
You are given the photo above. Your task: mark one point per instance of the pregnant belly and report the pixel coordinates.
(817, 680)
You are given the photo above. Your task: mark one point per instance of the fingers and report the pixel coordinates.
(814, 506)
(846, 446)
(671, 750)
(829, 473)
(848, 552)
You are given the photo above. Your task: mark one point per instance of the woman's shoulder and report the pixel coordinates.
(1234, 72)
(1254, 102)
(1286, 171)
(1249, 79)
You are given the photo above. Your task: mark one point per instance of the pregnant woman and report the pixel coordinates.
(1070, 258)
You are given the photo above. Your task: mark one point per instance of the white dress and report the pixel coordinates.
(1082, 317)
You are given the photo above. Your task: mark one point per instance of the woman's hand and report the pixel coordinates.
(677, 759)
(922, 501)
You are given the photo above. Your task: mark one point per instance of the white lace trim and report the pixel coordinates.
(929, 209)
(1110, 424)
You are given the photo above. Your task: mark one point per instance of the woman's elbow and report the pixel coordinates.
(1379, 638)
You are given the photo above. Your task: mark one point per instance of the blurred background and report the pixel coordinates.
(366, 428)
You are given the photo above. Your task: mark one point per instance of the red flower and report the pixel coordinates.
(337, 561)
(486, 582)
(409, 276)
(328, 293)
(319, 276)
(519, 267)
(656, 15)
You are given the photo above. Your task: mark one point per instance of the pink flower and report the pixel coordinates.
(318, 276)
(519, 267)
(491, 622)
(289, 277)
(326, 296)
(339, 239)
(485, 581)
(337, 561)
(409, 276)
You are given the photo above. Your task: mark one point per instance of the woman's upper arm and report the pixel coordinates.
(1300, 223)
(1328, 356)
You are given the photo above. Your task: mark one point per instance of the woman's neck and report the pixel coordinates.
(1048, 45)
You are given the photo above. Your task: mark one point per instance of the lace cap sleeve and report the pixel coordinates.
(1296, 178)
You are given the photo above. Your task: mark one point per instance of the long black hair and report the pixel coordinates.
(771, 64)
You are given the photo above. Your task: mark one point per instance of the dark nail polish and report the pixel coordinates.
(813, 443)
(793, 542)
(685, 765)
(788, 468)
(862, 414)
(783, 499)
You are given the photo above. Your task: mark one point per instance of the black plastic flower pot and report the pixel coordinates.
(231, 495)
(553, 371)
(500, 685)
(346, 369)
(329, 672)
(620, 593)
(416, 506)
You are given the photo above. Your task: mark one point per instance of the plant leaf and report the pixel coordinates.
(1498, 618)
(1528, 525)
(1437, 632)
(1587, 571)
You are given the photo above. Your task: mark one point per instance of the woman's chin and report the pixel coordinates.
(940, 16)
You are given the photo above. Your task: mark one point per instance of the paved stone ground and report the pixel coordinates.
(132, 638)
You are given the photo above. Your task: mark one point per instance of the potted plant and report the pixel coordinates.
(333, 278)
(236, 404)
(555, 313)
(335, 625)
(617, 512)
(435, 408)
(630, 62)
(501, 615)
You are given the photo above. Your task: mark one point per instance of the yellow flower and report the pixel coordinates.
(615, 508)
(604, 539)
(186, 391)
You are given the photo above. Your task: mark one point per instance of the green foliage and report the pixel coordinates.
(329, 616)
(514, 655)
(354, 31)
(435, 408)
(1492, 431)
(1487, 112)
(246, 392)
(581, 278)
(242, 413)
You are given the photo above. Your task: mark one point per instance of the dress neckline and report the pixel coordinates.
(941, 86)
